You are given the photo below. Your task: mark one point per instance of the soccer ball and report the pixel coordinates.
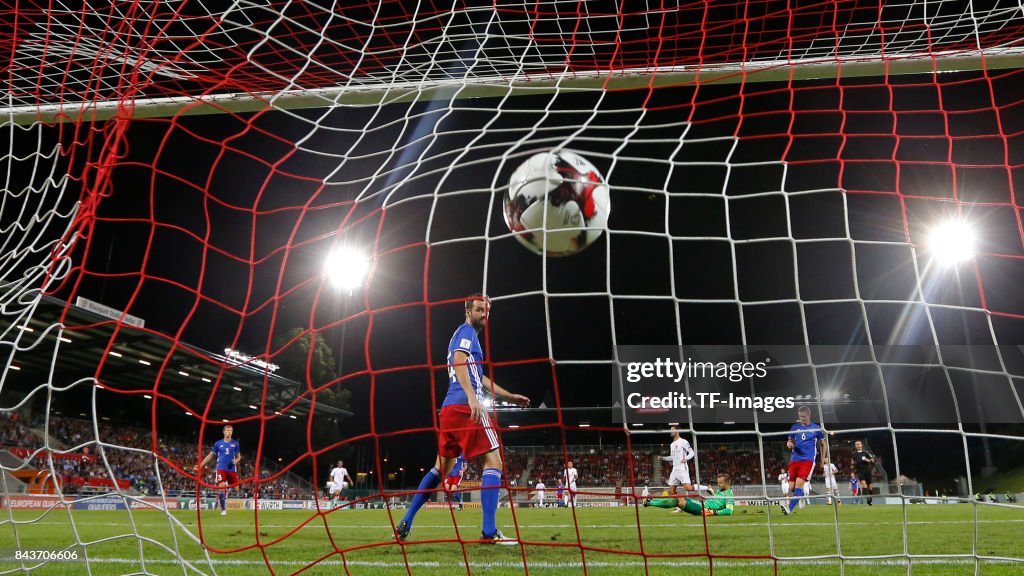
(557, 203)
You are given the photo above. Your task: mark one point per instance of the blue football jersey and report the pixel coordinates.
(465, 339)
(456, 472)
(805, 441)
(226, 452)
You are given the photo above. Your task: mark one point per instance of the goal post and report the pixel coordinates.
(270, 218)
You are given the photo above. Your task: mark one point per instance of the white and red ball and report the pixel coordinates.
(557, 203)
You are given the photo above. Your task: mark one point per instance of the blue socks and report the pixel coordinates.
(797, 493)
(489, 484)
(430, 481)
(223, 501)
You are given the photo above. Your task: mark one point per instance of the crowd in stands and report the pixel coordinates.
(14, 432)
(605, 468)
(610, 467)
(514, 463)
(547, 468)
(129, 454)
(743, 463)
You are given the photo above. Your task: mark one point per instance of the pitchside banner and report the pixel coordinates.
(106, 502)
(860, 385)
(114, 502)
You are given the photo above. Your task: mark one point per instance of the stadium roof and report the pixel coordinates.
(141, 363)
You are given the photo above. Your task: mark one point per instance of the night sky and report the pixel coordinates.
(758, 213)
(681, 186)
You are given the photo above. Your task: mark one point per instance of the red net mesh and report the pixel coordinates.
(713, 135)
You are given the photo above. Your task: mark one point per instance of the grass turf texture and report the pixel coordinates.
(365, 535)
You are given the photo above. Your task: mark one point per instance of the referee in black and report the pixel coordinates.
(863, 464)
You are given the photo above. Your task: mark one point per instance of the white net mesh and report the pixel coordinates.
(775, 172)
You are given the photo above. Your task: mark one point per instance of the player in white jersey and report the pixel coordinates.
(337, 482)
(807, 490)
(680, 454)
(570, 475)
(539, 493)
(784, 482)
(831, 487)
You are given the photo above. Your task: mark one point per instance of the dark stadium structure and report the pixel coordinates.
(183, 374)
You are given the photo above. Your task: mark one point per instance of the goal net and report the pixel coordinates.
(270, 217)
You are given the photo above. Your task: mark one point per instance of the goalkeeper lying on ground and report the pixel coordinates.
(720, 505)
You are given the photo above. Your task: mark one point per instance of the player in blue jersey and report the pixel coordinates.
(465, 427)
(803, 441)
(454, 479)
(227, 453)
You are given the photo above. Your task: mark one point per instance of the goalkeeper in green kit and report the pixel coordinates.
(720, 505)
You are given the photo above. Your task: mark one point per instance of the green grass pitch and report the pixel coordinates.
(874, 541)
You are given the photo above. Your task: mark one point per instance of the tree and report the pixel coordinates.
(292, 361)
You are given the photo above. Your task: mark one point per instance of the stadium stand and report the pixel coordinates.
(82, 471)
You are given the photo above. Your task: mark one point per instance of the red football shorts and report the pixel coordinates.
(226, 476)
(460, 435)
(800, 469)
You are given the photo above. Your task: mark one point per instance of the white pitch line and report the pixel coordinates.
(319, 525)
(551, 565)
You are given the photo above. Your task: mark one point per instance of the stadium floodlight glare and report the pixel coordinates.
(952, 241)
(346, 267)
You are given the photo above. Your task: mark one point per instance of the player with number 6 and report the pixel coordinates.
(803, 441)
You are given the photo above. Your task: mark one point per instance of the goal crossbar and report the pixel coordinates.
(495, 87)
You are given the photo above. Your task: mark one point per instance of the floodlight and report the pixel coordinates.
(952, 241)
(346, 268)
